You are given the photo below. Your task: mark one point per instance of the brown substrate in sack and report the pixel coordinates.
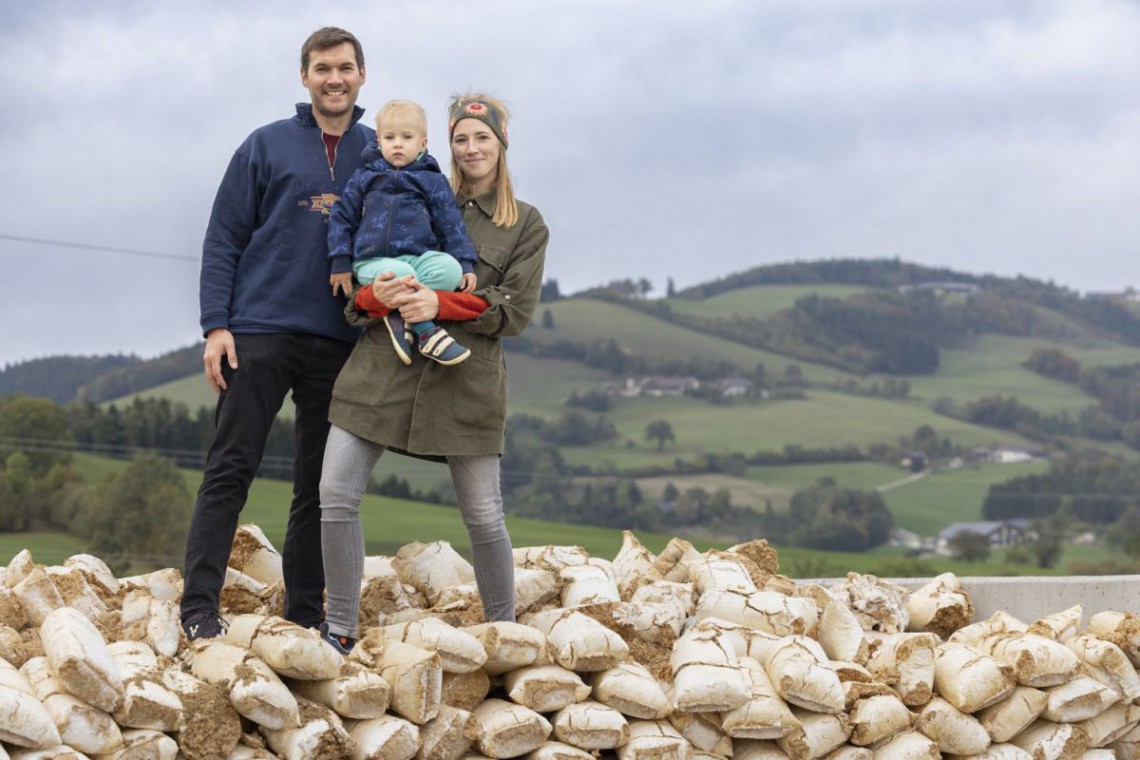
(459, 618)
(239, 601)
(11, 611)
(210, 725)
(244, 547)
(145, 712)
(334, 744)
(949, 619)
(653, 655)
(378, 598)
(110, 624)
(763, 555)
(33, 647)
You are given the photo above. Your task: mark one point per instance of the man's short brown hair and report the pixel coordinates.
(329, 37)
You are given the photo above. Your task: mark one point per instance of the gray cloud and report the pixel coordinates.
(658, 142)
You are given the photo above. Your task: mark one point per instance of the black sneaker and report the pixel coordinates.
(204, 625)
(342, 644)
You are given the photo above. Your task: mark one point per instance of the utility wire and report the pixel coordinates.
(101, 248)
(197, 458)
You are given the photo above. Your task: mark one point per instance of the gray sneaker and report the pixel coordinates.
(342, 644)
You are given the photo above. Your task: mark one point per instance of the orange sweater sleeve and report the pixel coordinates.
(453, 306)
(367, 302)
(460, 307)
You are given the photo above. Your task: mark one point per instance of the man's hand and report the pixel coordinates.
(419, 304)
(341, 281)
(387, 286)
(468, 283)
(219, 343)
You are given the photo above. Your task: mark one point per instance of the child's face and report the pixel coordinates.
(401, 137)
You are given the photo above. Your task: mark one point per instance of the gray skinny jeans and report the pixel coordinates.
(349, 461)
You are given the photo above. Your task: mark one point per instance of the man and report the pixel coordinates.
(273, 326)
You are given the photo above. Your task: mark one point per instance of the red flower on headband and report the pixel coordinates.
(476, 108)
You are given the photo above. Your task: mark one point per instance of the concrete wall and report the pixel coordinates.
(1030, 597)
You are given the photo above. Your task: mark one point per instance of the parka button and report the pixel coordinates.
(507, 297)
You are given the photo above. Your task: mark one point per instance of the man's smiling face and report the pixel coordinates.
(334, 80)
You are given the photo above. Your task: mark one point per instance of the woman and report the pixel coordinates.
(457, 413)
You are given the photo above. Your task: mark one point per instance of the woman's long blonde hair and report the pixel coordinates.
(506, 207)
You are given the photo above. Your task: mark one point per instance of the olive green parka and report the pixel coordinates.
(429, 409)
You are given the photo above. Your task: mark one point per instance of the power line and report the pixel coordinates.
(100, 248)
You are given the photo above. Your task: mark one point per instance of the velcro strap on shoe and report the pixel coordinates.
(437, 344)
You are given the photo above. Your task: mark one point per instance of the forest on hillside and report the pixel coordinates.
(887, 337)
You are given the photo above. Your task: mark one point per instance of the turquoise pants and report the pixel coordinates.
(436, 269)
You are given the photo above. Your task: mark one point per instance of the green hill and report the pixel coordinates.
(840, 315)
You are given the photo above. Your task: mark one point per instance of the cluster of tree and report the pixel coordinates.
(96, 378)
(549, 291)
(592, 400)
(1054, 364)
(1116, 388)
(886, 387)
(571, 428)
(828, 517)
(59, 378)
(846, 332)
(174, 365)
(135, 518)
(41, 428)
(1004, 304)
(1092, 489)
(879, 273)
(626, 288)
(399, 488)
(1010, 414)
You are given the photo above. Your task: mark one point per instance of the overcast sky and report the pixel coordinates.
(685, 140)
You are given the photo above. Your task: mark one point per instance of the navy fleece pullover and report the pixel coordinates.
(265, 265)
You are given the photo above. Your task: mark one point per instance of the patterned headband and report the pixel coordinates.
(471, 108)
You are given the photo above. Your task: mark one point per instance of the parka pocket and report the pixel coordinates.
(368, 373)
(479, 401)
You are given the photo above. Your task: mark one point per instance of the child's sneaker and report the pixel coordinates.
(437, 345)
(402, 337)
(342, 644)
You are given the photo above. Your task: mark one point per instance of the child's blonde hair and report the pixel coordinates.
(403, 106)
(506, 207)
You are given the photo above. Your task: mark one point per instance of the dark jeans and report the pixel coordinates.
(269, 366)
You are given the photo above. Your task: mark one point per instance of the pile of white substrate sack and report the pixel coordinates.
(679, 656)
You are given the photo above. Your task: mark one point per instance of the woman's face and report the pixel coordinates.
(476, 150)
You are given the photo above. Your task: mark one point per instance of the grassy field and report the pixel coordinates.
(944, 497)
(758, 301)
(193, 391)
(46, 548)
(587, 320)
(864, 475)
(744, 492)
(541, 386)
(823, 419)
(391, 523)
(992, 367)
(889, 562)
